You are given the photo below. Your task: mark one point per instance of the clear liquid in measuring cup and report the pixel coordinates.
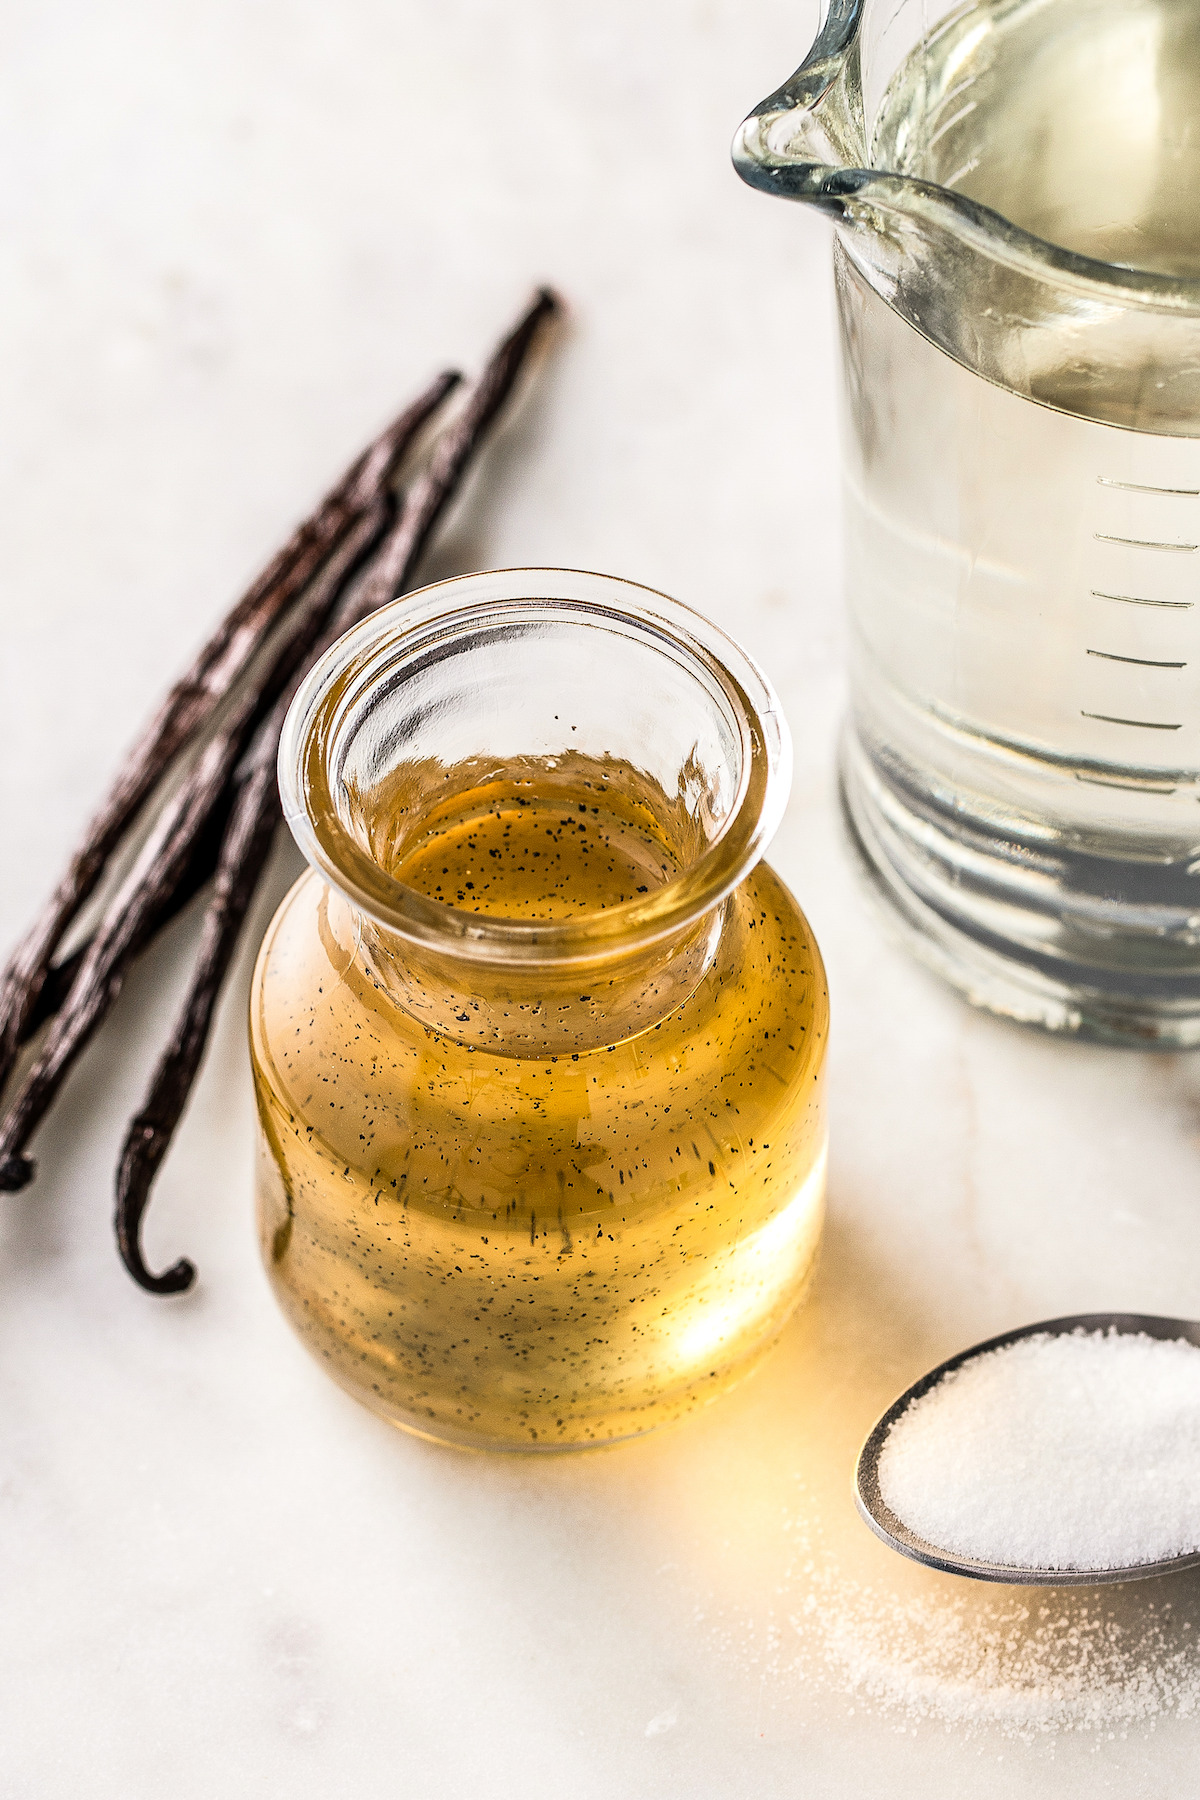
(1022, 769)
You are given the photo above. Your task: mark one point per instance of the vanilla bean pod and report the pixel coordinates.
(199, 872)
(256, 809)
(392, 569)
(244, 855)
(192, 701)
(164, 860)
(101, 973)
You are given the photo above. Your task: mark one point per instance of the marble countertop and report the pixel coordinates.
(233, 238)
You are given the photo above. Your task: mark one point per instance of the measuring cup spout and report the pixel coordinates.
(807, 140)
(880, 128)
(811, 141)
(943, 261)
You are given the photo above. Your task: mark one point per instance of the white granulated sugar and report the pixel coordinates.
(1072, 1662)
(930, 1651)
(1055, 1452)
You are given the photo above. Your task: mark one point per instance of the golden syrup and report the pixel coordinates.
(533, 1249)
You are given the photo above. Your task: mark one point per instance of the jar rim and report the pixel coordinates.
(434, 617)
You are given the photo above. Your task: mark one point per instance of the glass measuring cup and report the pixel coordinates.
(1016, 186)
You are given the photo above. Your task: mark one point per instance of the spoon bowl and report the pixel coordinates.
(898, 1536)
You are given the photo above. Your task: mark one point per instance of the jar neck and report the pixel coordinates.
(534, 791)
(537, 1011)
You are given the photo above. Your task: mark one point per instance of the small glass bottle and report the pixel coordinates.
(538, 1041)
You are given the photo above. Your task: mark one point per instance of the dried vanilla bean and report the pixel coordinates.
(192, 702)
(164, 861)
(392, 568)
(102, 971)
(256, 809)
(244, 855)
(200, 871)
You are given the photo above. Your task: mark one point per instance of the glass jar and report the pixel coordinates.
(538, 1041)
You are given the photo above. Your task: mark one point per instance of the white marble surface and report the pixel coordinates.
(232, 237)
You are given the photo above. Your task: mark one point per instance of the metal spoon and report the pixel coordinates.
(896, 1533)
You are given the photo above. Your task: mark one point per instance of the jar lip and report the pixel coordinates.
(431, 618)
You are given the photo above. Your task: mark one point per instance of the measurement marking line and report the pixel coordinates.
(954, 119)
(1142, 724)
(962, 87)
(1103, 537)
(1139, 487)
(1135, 787)
(968, 168)
(1143, 662)
(1140, 600)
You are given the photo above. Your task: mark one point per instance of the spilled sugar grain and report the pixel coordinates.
(1028, 1668)
(1024, 1664)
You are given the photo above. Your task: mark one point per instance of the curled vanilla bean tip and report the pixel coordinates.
(132, 1195)
(16, 1172)
(175, 1280)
